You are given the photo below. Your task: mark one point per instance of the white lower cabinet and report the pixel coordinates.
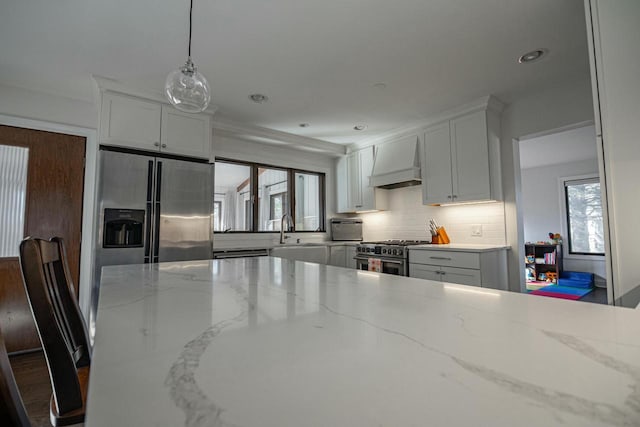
(342, 256)
(351, 257)
(487, 269)
(338, 256)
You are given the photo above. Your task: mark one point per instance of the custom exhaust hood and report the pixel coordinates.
(397, 164)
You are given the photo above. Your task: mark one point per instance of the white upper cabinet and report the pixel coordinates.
(184, 133)
(147, 125)
(130, 122)
(436, 165)
(354, 181)
(367, 193)
(461, 160)
(470, 158)
(353, 191)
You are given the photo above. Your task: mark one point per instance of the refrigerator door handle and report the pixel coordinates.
(147, 232)
(156, 232)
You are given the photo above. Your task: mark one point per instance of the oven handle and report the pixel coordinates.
(383, 260)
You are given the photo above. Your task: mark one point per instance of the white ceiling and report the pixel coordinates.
(564, 147)
(317, 61)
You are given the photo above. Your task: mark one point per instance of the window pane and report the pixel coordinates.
(584, 209)
(233, 191)
(272, 198)
(217, 215)
(307, 202)
(13, 191)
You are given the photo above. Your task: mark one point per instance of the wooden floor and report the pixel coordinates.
(32, 377)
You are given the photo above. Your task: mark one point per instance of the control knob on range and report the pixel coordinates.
(384, 251)
(399, 251)
(393, 252)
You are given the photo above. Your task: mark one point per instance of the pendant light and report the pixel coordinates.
(185, 88)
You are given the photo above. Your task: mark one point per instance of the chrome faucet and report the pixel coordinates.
(289, 220)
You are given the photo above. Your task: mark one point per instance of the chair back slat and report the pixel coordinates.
(12, 410)
(39, 282)
(78, 335)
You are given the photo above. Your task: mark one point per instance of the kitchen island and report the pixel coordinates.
(272, 342)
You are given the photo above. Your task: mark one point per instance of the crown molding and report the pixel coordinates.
(488, 102)
(263, 135)
(104, 84)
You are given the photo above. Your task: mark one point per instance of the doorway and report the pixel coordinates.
(52, 195)
(563, 215)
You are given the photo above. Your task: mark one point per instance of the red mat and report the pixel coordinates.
(556, 295)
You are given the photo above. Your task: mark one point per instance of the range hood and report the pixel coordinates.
(397, 164)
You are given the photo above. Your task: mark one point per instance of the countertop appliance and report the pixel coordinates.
(152, 208)
(346, 229)
(393, 255)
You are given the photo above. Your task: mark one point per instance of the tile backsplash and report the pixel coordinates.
(407, 218)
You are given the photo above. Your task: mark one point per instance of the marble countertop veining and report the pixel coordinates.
(271, 342)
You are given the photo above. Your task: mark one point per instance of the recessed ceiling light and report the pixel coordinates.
(359, 127)
(258, 98)
(304, 125)
(380, 86)
(534, 55)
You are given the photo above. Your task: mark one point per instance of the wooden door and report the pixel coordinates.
(55, 181)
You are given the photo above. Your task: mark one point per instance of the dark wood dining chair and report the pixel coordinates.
(12, 410)
(60, 326)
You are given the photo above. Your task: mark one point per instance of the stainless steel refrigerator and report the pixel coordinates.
(152, 209)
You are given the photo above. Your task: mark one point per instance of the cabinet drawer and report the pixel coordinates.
(427, 272)
(445, 258)
(462, 276)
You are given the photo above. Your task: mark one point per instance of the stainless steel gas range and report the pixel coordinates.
(393, 256)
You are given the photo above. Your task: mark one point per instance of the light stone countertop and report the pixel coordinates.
(461, 247)
(286, 245)
(272, 342)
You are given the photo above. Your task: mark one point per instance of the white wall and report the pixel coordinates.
(407, 218)
(541, 199)
(557, 107)
(615, 56)
(230, 147)
(30, 104)
(542, 211)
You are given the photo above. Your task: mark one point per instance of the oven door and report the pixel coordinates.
(396, 267)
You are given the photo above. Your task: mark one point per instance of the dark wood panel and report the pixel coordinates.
(55, 183)
(18, 327)
(32, 378)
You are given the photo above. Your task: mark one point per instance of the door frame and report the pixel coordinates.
(88, 198)
(519, 216)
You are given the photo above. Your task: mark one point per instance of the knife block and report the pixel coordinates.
(441, 238)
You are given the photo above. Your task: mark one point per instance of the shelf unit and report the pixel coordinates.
(539, 252)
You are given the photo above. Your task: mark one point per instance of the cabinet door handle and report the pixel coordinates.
(157, 144)
(455, 196)
(358, 206)
(164, 145)
(440, 257)
(448, 197)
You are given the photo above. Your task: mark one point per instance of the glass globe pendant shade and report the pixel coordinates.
(187, 89)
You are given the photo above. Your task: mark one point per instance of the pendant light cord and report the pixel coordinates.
(190, 25)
